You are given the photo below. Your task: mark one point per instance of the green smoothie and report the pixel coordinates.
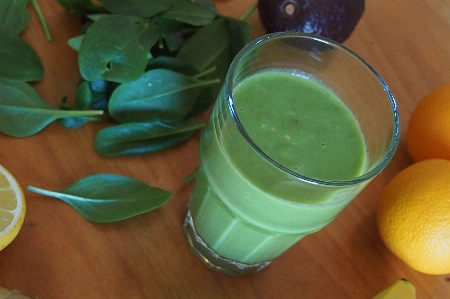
(250, 207)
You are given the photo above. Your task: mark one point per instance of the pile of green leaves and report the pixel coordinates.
(153, 66)
(22, 110)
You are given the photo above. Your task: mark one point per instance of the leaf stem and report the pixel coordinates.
(82, 112)
(249, 12)
(191, 176)
(208, 82)
(55, 194)
(41, 18)
(194, 85)
(41, 191)
(205, 72)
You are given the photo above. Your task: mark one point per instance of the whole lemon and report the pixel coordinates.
(413, 216)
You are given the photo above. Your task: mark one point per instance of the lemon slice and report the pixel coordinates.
(400, 289)
(12, 208)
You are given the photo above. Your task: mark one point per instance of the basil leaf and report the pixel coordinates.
(140, 8)
(193, 12)
(159, 93)
(116, 48)
(14, 17)
(18, 61)
(109, 197)
(23, 112)
(79, 7)
(141, 138)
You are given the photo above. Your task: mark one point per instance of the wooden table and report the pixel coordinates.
(58, 254)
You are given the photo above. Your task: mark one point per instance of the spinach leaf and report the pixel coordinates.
(18, 61)
(23, 112)
(116, 48)
(108, 197)
(172, 33)
(77, 121)
(202, 57)
(239, 33)
(140, 8)
(172, 64)
(89, 95)
(222, 40)
(145, 137)
(193, 12)
(79, 7)
(84, 96)
(158, 94)
(75, 42)
(14, 16)
(94, 94)
(222, 35)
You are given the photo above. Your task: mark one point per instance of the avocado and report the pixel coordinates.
(333, 19)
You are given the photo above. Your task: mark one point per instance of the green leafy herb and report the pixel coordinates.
(80, 6)
(94, 94)
(19, 62)
(75, 42)
(108, 197)
(23, 112)
(172, 37)
(234, 34)
(152, 66)
(217, 37)
(116, 48)
(157, 94)
(145, 137)
(142, 8)
(173, 64)
(197, 12)
(75, 122)
(14, 17)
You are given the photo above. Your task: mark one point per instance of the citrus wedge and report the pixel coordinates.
(400, 289)
(12, 208)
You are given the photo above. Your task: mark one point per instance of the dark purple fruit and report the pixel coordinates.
(334, 19)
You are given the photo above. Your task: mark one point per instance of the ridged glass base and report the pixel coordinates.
(211, 259)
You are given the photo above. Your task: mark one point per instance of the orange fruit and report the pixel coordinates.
(413, 216)
(428, 131)
(12, 208)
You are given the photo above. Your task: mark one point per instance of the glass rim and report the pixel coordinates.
(367, 175)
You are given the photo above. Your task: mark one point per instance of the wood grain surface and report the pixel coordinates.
(58, 254)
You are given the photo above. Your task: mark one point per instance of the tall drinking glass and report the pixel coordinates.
(300, 127)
